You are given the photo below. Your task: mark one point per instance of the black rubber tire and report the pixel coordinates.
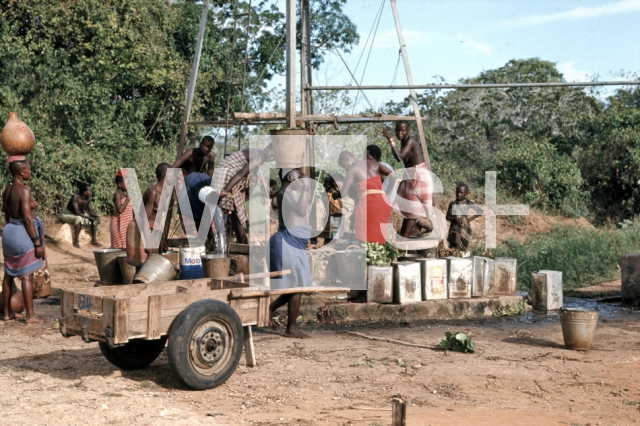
(135, 354)
(205, 344)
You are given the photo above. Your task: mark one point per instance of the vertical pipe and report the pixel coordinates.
(291, 63)
(414, 98)
(194, 76)
(304, 9)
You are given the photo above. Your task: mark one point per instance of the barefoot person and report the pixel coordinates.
(122, 215)
(287, 248)
(137, 252)
(22, 240)
(373, 207)
(460, 232)
(416, 189)
(195, 159)
(79, 212)
(231, 180)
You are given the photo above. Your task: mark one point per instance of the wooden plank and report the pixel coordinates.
(256, 293)
(84, 302)
(121, 321)
(221, 284)
(248, 304)
(164, 287)
(66, 310)
(263, 312)
(154, 316)
(248, 316)
(249, 350)
(108, 310)
(170, 301)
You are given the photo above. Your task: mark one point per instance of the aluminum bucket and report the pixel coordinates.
(108, 267)
(216, 265)
(128, 271)
(578, 328)
(155, 268)
(172, 256)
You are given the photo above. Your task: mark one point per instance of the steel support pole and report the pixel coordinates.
(194, 76)
(291, 63)
(414, 99)
(407, 68)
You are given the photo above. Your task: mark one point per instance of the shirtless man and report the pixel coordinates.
(372, 208)
(287, 248)
(151, 200)
(22, 240)
(195, 159)
(230, 181)
(415, 191)
(79, 212)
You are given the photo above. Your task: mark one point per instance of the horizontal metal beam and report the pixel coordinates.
(477, 86)
(262, 119)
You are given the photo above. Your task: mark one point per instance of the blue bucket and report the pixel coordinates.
(191, 263)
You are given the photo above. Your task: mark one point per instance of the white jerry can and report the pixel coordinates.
(460, 277)
(484, 277)
(546, 290)
(506, 276)
(434, 278)
(379, 284)
(406, 282)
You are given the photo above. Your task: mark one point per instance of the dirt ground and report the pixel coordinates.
(520, 375)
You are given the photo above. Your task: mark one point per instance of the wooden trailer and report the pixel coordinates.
(206, 322)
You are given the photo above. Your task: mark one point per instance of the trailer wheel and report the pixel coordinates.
(135, 354)
(205, 344)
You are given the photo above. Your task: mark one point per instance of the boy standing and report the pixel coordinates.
(460, 228)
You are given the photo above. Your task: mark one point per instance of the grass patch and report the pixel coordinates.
(111, 394)
(146, 384)
(585, 256)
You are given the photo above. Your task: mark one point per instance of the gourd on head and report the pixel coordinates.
(17, 138)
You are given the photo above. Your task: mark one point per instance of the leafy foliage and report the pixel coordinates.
(458, 342)
(610, 160)
(380, 254)
(534, 170)
(102, 82)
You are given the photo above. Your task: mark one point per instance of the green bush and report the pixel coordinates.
(532, 168)
(585, 256)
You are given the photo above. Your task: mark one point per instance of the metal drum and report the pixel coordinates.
(108, 267)
(546, 290)
(191, 262)
(460, 277)
(434, 278)
(484, 277)
(379, 284)
(506, 276)
(406, 282)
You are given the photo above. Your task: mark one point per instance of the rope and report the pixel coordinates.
(364, 70)
(395, 73)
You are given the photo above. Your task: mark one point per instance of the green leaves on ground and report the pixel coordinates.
(458, 342)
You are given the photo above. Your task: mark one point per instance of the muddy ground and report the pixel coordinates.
(520, 375)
